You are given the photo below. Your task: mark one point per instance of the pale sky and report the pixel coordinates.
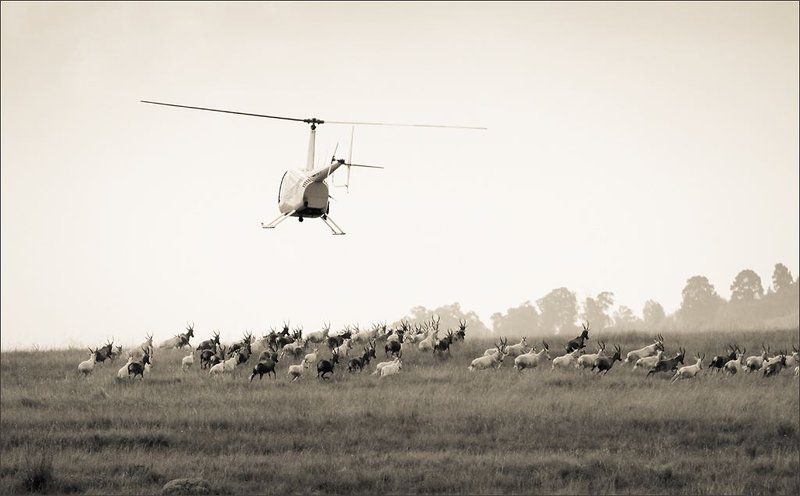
(630, 146)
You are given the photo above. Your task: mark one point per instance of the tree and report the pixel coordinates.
(595, 310)
(559, 310)
(625, 319)
(746, 287)
(449, 315)
(782, 278)
(653, 314)
(700, 302)
(523, 319)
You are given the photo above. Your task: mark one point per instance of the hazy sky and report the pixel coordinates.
(630, 146)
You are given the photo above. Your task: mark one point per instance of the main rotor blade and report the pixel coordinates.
(229, 111)
(357, 123)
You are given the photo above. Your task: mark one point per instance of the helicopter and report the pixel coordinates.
(303, 193)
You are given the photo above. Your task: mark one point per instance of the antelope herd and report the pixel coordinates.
(355, 349)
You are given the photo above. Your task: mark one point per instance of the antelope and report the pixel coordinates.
(756, 361)
(492, 351)
(146, 345)
(105, 352)
(326, 366)
(187, 362)
(775, 366)
(226, 366)
(603, 363)
(648, 362)
(719, 361)
(427, 343)
(319, 336)
(209, 344)
(416, 336)
(359, 363)
(139, 367)
(311, 358)
(114, 354)
(394, 347)
(579, 342)
(650, 350)
(443, 345)
(392, 369)
(492, 361)
(669, 365)
(344, 348)
(567, 361)
(363, 337)
(531, 359)
(587, 361)
(86, 367)
(293, 349)
(266, 364)
(793, 360)
(689, 371)
(737, 364)
(461, 333)
(338, 340)
(122, 373)
(518, 349)
(381, 365)
(295, 371)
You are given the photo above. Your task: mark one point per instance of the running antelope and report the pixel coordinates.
(650, 350)
(532, 359)
(689, 371)
(579, 342)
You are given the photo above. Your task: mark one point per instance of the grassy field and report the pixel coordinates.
(435, 428)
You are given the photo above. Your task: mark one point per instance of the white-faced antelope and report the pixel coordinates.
(587, 361)
(86, 367)
(532, 359)
(493, 361)
(756, 361)
(649, 350)
(567, 361)
(689, 371)
(648, 363)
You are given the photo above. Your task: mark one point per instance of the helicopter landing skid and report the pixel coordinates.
(277, 221)
(337, 231)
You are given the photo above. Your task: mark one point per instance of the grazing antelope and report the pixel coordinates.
(604, 363)
(650, 350)
(86, 367)
(737, 364)
(518, 349)
(266, 364)
(492, 361)
(567, 361)
(669, 365)
(139, 367)
(756, 361)
(587, 361)
(648, 363)
(579, 342)
(227, 366)
(532, 359)
(187, 362)
(326, 366)
(689, 371)
(393, 368)
(775, 366)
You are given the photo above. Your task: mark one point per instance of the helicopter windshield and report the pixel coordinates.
(281, 186)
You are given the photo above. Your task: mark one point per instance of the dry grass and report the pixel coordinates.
(435, 428)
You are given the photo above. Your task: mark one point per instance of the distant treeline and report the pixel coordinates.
(559, 311)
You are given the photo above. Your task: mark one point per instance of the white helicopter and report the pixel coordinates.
(304, 192)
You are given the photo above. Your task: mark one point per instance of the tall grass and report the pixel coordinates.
(436, 427)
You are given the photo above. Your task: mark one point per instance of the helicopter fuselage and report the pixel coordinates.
(304, 193)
